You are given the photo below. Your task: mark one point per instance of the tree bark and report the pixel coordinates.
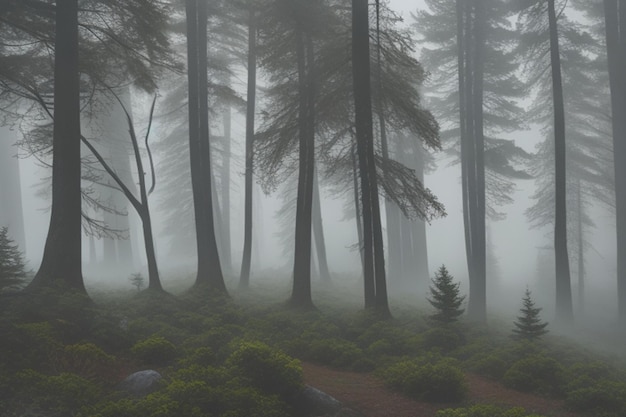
(564, 312)
(244, 279)
(209, 273)
(477, 309)
(365, 145)
(301, 291)
(61, 263)
(318, 231)
(226, 245)
(581, 248)
(11, 211)
(615, 19)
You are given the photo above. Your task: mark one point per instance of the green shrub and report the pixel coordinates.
(588, 374)
(485, 411)
(202, 356)
(64, 394)
(439, 381)
(267, 369)
(538, 374)
(382, 338)
(155, 350)
(337, 353)
(491, 366)
(86, 360)
(603, 399)
(441, 338)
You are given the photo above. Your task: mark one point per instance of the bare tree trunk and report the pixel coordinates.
(615, 19)
(365, 144)
(244, 279)
(464, 139)
(318, 231)
(479, 310)
(357, 206)
(209, 274)
(301, 291)
(564, 313)
(11, 212)
(581, 248)
(227, 262)
(61, 263)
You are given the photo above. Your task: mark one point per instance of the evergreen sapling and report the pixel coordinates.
(528, 325)
(444, 296)
(12, 268)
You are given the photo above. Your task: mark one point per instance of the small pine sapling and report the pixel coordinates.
(137, 280)
(12, 268)
(528, 325)
(444, 296)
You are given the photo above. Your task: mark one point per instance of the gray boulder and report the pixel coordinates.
(141, 383)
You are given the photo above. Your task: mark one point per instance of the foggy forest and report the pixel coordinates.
(309, 208)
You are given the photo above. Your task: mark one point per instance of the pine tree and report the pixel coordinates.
(12, 269)
(445, 298)
(529, 326)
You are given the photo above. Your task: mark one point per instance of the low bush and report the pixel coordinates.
(436, 381)
(492, 366)
(603, 399)
(537, 374)
(267, 369)
(85, 359)
(155, 350)
(441, 338)
(338, 353)
(64, 394)
(485, 411)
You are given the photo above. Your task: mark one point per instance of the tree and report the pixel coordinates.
(244, 278)
(131, 37)
(528, 325)
(209, 274)
(61, 263)
(12, 268)
(541, 37)
(445, 298)
(137, 280)
(473, 47)
(615, 23)
(140, 204)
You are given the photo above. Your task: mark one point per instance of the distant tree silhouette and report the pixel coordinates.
(12, 269)
(444, 296)
(529, 326)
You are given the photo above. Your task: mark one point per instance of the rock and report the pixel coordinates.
(141, 383)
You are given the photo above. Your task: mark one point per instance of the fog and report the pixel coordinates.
(518, 249)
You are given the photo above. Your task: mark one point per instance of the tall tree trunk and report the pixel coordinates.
(581, 248)
(301, 291)
(463, 131)
(564, 312)
(418, 230)
(318, 231)
(365, 144)
(477, 309)
(11, 212)
(392, 213)
(244, 279)
(61, 263)
(226, 246)
(615, 18)
(154, 281)
(358, 213)
(209, 269)
(468, 155)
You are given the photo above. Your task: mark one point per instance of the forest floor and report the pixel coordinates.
(367, 394)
